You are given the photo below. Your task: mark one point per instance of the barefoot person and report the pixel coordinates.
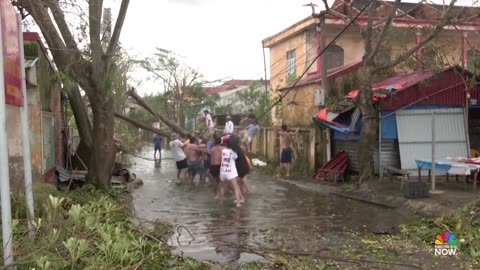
(287, 151)
(252, 130)
(195, 164)
(215, 162)
(229, 173)
(176, 146)
(242, 165)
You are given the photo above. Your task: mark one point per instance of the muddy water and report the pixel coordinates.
(277, 216)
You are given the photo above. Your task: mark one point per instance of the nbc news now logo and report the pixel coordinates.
(445, 244)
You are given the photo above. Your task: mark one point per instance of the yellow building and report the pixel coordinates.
(294, 49)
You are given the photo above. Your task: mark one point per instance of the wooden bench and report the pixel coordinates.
(391, 170)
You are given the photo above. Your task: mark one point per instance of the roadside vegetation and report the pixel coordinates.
(92, 229)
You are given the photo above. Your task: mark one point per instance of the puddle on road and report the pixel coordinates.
(277, 216)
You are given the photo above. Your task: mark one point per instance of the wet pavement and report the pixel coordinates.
(277, 216)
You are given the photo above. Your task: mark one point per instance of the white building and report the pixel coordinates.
(228, 94)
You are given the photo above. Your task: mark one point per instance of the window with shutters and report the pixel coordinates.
(291, 64)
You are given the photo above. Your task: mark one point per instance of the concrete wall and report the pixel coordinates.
(35, 128)
(308, 147)
(14, 138)
(298, 107)
(278, 65)
(45, 96)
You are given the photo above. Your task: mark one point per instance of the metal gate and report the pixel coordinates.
(48, 131)
(415, 135)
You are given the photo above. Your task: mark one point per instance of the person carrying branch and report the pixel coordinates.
(287, 151)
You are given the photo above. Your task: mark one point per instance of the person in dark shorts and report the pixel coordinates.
(176, 146)
(241, 162)
(195, 163)
(157, 144)
(287, 155)
(215, 162)
(287, 151)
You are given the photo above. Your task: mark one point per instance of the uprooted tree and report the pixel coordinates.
(86, 54)
(379, 25)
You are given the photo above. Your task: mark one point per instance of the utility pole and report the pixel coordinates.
(323, 44)
(265, 68)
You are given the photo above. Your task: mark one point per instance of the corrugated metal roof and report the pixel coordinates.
(30, 62)
(405, 80)
(415, 135)
(444, 88)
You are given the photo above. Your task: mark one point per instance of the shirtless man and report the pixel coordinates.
(195, 164)
(287, 152)
(215, 162)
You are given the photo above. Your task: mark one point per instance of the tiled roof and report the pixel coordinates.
(227, 86)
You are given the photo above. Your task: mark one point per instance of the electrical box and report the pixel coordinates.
(319, 97)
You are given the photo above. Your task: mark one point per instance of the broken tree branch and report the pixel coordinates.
(141, 125)
(369, 31)
(436, 30)
(383, 34)
(62, 26)
(112, 46)
(171, 124)
(95, 18)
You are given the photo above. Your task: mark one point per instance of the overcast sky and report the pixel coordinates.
(220, 38)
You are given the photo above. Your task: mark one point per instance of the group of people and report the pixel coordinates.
(251, 129)
(222, 158)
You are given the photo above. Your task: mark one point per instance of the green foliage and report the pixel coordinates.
(196, 101)
(257, 99)
(465, 224)
(88, 229)
(263, 104)
(249, 96)
(291, 77)
(225, 109)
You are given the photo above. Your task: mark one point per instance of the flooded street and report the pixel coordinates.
(277, 216)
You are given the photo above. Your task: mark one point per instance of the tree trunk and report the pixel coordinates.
(102, 154)
(368, 135)
(171, 124)
(142, 125)
(82, 120)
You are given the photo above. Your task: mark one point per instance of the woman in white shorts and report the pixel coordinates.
(229, 175)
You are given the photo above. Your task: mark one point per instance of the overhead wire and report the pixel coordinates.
(318, 55)
(281, 60)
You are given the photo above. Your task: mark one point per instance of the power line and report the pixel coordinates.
(318, 55)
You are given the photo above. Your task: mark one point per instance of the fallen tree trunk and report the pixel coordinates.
(168, 122)
(141, 125)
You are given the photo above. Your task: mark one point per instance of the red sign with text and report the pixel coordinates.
(11, 54)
